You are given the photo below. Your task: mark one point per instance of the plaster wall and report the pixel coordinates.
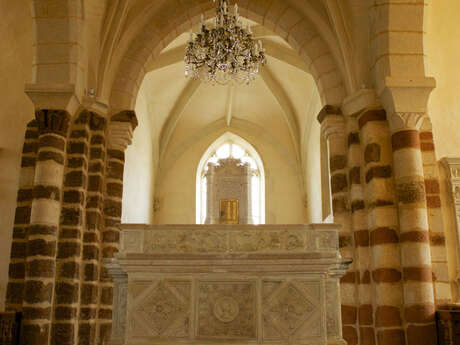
(139, 170)
(442, 53)
(175, 188)
(15, 70)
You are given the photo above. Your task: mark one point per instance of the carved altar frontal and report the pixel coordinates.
(232, 284)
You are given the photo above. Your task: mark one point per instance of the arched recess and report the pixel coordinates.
(58, 48)
(234, 139)
(309, 35)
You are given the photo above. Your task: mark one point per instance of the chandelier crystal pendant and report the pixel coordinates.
(225, 52)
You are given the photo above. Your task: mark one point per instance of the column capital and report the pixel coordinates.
(53, 121)
(53, 96)
(406, 101)
(121, 128)
(332, 121)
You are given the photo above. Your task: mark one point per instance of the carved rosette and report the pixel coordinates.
(227, 310)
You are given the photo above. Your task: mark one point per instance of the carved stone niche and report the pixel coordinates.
(452, 168)
(241, 285)
(230, 179)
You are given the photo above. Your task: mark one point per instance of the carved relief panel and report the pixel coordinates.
(210, 310)
(226, 310)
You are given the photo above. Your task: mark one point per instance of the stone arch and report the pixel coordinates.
(174, 18)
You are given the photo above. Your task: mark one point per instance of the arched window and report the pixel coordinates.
(231, 146)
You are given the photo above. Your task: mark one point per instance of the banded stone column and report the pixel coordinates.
(43, 230)
(419, 306)
(442, 290)
(68, 262)
(16, 274)
(334, 131)
(383, 229)
(90, 265)
(361, 233)
(120, 133)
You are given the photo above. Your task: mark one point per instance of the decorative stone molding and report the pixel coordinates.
(120, 135)
(405, 121)
(50, 96)
(406, 100)
(121, 128)
(332, 121)
(224, 239)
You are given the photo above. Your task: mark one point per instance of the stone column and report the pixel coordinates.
(442, 290)
(383, 227)
(120, 133)
(361, 233)
(15, 289)
(42, 232)
(406, 104)
(90, 261)
(68, 261)
(333, 129)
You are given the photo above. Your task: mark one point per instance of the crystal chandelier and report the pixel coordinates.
(224, 52)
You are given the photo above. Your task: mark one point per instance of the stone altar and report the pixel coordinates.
(232, 284)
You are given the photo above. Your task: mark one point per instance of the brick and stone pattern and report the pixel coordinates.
(43, 229)
(409, 178)
(120, 131)
(68, 261)
(334, 130)
(385, 263)
(91, 254)
(359, 225)
(442, 290)
(16, 275)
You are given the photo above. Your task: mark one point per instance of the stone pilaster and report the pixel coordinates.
(334, 131)
(405, 101)
(120, 300)
(382, 224)
(120, 133)
(16, 275)
(43, 230)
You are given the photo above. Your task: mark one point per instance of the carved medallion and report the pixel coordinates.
(226, 309)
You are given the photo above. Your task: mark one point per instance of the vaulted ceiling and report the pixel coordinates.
(279, 99)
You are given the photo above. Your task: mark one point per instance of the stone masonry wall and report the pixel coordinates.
(69, 203)
(389, 200)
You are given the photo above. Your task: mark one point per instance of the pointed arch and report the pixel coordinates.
(232, 138)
